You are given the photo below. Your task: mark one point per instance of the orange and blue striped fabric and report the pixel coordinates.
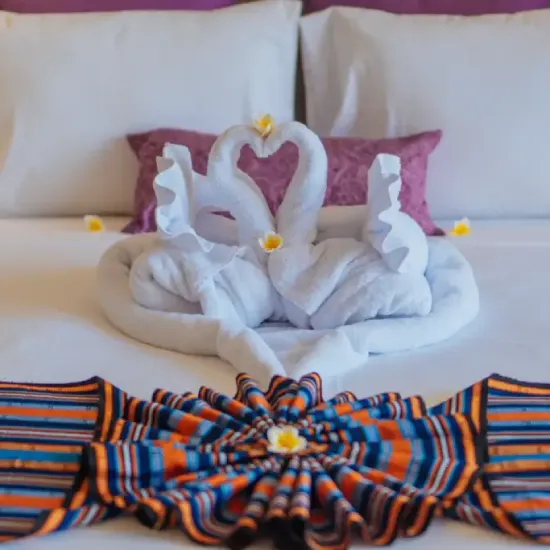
(43, 430)
(378, 467)
(375, 469)
(513, 493)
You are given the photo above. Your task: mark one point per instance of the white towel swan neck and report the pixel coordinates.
(228, 187)
(297, 215)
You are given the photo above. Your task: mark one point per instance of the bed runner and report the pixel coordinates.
(284, 463)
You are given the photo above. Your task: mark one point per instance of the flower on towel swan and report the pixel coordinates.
(461, 228)
(264, 125)
(285, 440)
(94, 224)
(271, 241)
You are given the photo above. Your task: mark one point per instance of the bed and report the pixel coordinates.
(60, 159)
(53, 330)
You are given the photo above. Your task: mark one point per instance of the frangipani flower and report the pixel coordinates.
(94, 224)
(285, 440)
(461, 228)
(271, 241)
(264, 125)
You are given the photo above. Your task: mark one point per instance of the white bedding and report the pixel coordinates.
(52, 329)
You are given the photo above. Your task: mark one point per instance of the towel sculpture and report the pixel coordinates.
(274, 300)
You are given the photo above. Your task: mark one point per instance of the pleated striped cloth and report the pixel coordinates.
(377, 466)
(283, 463)
(513, 493)
(43, 431)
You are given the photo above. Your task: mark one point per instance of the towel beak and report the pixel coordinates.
(272, 143)
(263, 152)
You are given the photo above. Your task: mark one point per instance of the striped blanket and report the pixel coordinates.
(283, 463)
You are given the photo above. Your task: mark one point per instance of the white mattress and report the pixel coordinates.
(52, 330)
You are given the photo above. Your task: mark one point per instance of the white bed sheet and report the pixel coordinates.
(52, 330)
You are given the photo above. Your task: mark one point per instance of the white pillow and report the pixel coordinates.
(72, 87)
(485, 81)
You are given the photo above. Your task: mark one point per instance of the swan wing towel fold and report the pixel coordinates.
(206, 223)
(398, 239)
(174, 190)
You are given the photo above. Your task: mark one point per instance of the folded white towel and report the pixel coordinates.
(368, 290)
(280, 348)
(184, 273)
(343, 281)
(219, 284)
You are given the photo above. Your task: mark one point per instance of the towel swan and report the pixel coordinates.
(296, 217)
(189, 269)
(321, 286)
(343, 281)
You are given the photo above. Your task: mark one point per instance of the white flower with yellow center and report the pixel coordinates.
(264, 125)
(285, 440)
(94, 224)
(271, 241)
(462, 228)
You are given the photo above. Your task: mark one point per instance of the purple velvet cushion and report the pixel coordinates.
(348, 162)
(73, 6)
(450, 7)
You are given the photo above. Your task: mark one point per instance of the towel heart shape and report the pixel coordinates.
(233, 190)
